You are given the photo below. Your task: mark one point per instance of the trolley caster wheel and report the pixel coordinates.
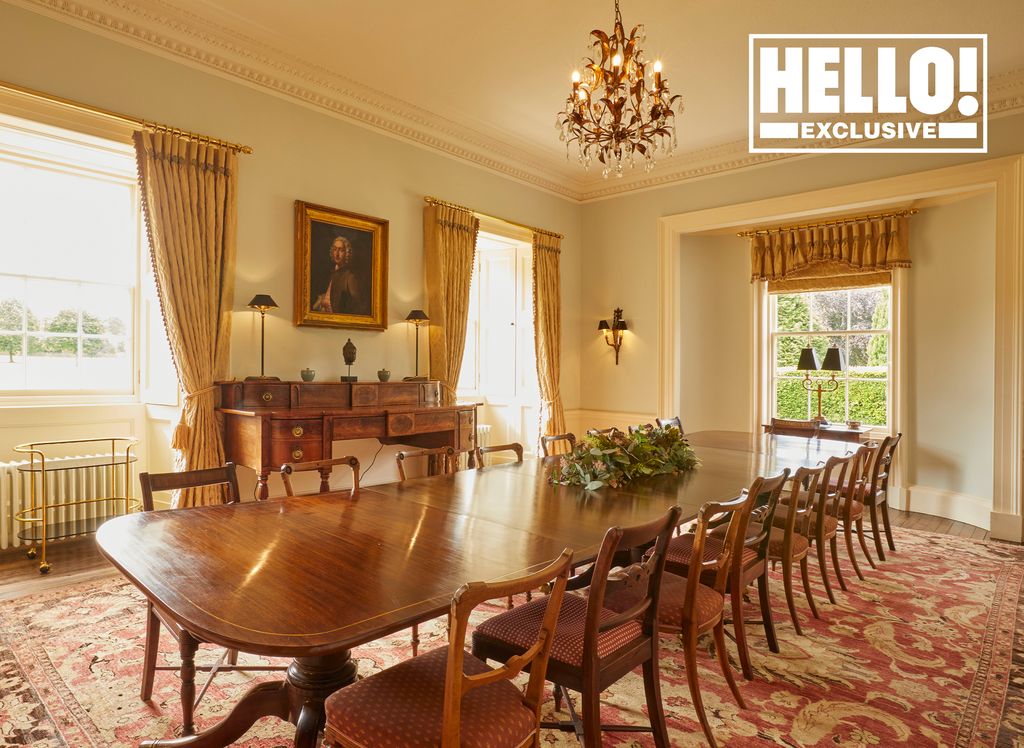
(30, 553)
(44, 568)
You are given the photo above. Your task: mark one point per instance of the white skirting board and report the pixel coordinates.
(960, 507)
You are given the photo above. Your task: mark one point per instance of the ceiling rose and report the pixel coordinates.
(620, 108)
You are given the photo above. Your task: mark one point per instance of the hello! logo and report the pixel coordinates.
(877, 93)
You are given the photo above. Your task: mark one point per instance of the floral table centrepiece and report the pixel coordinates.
(617, 458)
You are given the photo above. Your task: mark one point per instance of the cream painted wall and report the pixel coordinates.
(621, 240)
(951, 345)
(715, 333)
(302, 154)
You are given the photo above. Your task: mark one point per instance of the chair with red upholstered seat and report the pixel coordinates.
(748, 559)
(876, 492)
(595, 646)
(448, 697)
(790, 538)
(695, 603)
(849, 505)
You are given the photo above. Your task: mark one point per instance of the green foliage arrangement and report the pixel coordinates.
(616, 459)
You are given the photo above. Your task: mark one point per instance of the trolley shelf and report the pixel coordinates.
(60, 530)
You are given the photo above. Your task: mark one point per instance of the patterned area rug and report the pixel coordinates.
(922, 653)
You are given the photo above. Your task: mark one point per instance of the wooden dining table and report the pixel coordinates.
(309, 578)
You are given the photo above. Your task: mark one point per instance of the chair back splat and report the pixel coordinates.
(154, 482)
(793, 427)
(546, 441)
(443, 458)
(514, 447)
(673, 422)
(323, 467)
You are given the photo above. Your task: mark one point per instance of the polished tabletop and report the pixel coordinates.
(308, 576)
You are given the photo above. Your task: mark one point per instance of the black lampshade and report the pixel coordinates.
(834, 360)
(262, 302)
(603, 325)
(808, 360)
(417, 317)
(622, 325)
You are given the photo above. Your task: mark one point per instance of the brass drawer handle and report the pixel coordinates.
(296, 454)
(297, 431)
(267, 396)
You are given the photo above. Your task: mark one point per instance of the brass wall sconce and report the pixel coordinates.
(262, 303)
(613, 332)
(834, 362)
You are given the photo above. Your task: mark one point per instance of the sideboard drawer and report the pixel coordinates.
(299, 429)
(295, 450)
(400, 424)
(265, 395)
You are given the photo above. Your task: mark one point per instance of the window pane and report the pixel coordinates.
(829, 310)
(869, 309)
(833, 404)
(787, 353)
(790, 398)
(792, 313)
(868, 402)
(868, 356)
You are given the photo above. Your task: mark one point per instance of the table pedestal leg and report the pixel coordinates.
(298, 699)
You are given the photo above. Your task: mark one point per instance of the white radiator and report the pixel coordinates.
(75, 481)
(483, 435)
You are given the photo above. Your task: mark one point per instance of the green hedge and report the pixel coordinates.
(867, 401)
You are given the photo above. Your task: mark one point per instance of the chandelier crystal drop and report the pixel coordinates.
(620, 109)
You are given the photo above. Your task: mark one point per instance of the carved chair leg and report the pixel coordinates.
(689, 641)
(834, 543)
(509, 604)
(823, 568)
(848, 535)
(806, 576)
(149, 656)
(864, 543)
(766, 615)
(876, 530)
(787, 583)
(888, 525)
(187, 647)
(655, 707)
(591, 700)
(723, 661)
(415, 639)
(739, 629)
(232, 658)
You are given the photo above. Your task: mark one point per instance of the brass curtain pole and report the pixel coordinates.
(477, 213)
(823, 224)
(124, 118)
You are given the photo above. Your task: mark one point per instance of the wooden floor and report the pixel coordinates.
(78, 560)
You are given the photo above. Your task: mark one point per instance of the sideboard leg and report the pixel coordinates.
(262, 490)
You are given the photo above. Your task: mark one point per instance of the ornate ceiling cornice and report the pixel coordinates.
(157, 25)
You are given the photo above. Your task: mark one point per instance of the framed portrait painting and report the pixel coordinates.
(341, 268)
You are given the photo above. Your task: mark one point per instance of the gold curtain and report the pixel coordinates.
(189, 194)
(449, 247)
(547, 327)
(860, 252)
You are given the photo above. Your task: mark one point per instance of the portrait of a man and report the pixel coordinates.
(341, 268)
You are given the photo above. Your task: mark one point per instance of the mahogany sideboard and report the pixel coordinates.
(269, 423)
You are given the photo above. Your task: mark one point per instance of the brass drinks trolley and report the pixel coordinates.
(50, 517)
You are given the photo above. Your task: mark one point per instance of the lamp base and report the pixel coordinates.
(348, 379)
(263, 379)
(822, 420)
(415, 379)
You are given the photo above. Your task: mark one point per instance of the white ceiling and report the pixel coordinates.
(491, 76)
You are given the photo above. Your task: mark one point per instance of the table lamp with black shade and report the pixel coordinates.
(262, 303)
(419, 318)
(834, 362)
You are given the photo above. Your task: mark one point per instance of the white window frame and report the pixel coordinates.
(89, 135)
(845, 379)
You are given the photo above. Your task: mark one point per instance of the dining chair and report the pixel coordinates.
(440, 460)
(823, 522)
(794, 427)
(749, 560)
(876, 492)
(595, 646)
(673, 422)
(849, 505)
(514, 447)
(188, 643)
(567, 437)
(448, 697)
(790, 540)
(694, 603)
(602, 432)
(324, 467)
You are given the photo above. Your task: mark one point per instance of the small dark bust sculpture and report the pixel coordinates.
(348, 352)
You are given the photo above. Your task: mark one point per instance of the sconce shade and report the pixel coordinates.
(262, 302)
(834, 360)
(808, 360)
(603, 325)
(417, 317)
(622, 325)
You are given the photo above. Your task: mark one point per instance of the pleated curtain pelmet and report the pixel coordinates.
(189, 199)
(862, 252)
(449, 249)
(547, 326)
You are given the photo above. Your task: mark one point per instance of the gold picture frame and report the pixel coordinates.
(341, 268)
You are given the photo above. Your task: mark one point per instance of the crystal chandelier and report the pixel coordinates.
(620, 108)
